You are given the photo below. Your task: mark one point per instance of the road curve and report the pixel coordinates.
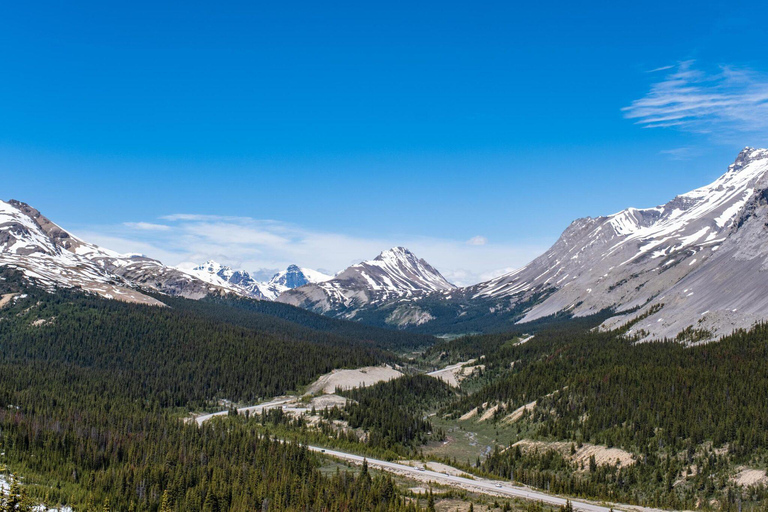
(481, 485)
(252, 409)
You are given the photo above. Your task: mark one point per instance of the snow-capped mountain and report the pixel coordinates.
(238, 281)
(50, 256)
(242, 283)
(293, 277)
(699, 262)
(396, 274)
(697, 265)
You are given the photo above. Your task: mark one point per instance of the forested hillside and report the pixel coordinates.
(283, 319)
(690, 416)
(175, 356)
(89, 387)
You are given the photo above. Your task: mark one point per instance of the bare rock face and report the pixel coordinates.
(52, 257)
(396, 274)
(693, 269)
(696, 264)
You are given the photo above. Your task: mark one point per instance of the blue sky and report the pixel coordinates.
(321, 133)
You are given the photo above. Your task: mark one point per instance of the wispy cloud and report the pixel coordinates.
(254, 244)
(728, 102)
(683, 153)
(147, 226)
(477, 240)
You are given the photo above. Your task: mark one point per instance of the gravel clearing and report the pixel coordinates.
(350, 379)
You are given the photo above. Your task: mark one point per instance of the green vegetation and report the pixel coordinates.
(690, 415)
(178, 358)
(460, 314)
(392, 413)
(296, 323)
(92, 391)
(88, 396)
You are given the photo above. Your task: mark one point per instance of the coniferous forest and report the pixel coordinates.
(95, 396)
(91, 391)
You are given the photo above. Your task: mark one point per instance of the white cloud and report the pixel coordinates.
(147, 226)
(684, 153)
(254, 244)
(725, 104)
(662, 68)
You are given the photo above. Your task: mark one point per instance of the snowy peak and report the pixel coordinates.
(637, 257)
(26, 231)
(398, 270)
(52, 257)
(395, 274)
(746, 157)
(294, 276)
(212, 267)
(242, 282)
(236, 281)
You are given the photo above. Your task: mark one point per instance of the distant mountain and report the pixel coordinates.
(694, 268)
(243, 284)
(294, 277)
(50, 256)
(238, 281)
(396, 274)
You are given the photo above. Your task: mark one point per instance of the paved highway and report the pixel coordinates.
(481, 485)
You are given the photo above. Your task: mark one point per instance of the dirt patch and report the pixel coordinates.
(518, 413)
(43, 321)
(436, 466)
(349, 379)
(604, 456)
(747, 477)
(5, 299)
(455, 373)
(327, 401)
(489, 413)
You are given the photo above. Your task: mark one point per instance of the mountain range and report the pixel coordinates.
(244, 284)
(693, 268)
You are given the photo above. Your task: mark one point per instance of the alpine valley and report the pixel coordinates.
(694, 268)
(130, 385)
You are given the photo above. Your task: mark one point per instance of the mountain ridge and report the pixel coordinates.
(395, 274)
(244, 284)
(661, 269)
(51, 256)
(696, 264)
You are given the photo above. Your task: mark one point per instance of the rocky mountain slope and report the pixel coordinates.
(395, 275)
(695, 265)
(694, 268)
(50, 256)
(697, 262)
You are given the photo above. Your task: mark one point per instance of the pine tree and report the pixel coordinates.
(165, 502)
(211, 504)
